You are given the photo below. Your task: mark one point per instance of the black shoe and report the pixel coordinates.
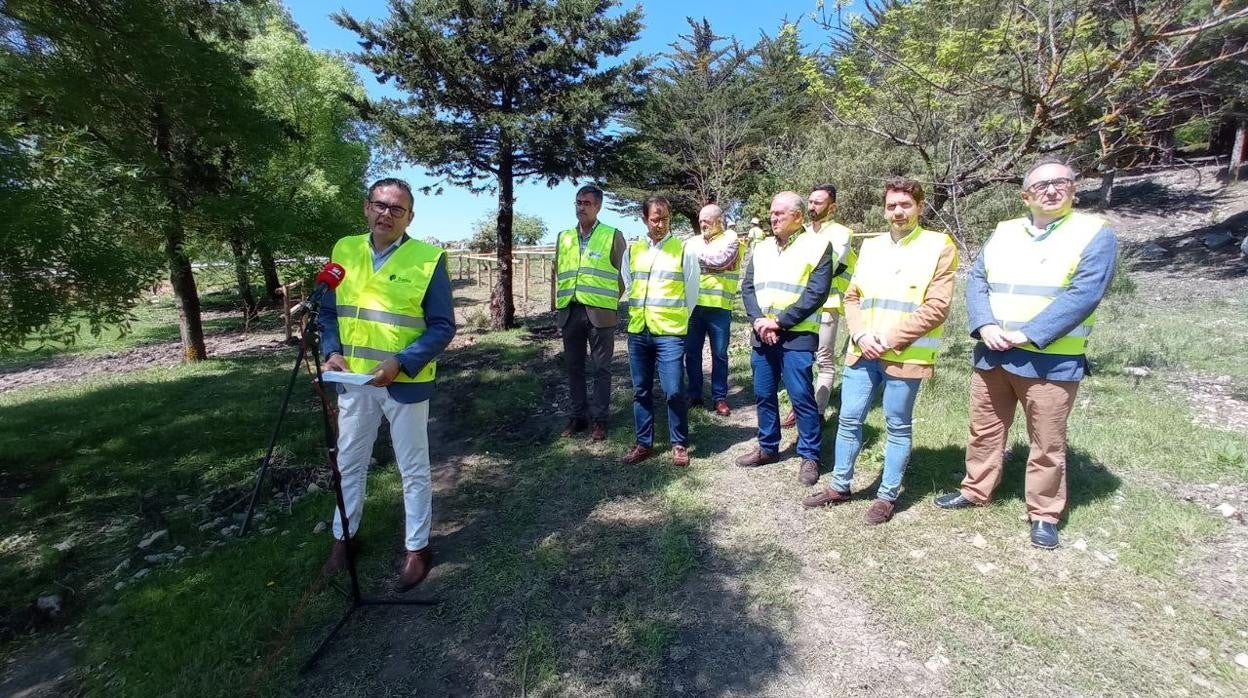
(954, 500)
(1044, 534)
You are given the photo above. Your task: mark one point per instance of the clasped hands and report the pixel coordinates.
(998, 339)
(767, 329)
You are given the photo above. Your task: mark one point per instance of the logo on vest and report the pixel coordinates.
(400, 279)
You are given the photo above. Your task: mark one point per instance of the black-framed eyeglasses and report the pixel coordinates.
(1059, 184)
(380, 208)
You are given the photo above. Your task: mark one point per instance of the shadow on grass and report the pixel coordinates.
(935, 471)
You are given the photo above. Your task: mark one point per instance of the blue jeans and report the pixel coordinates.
(703, 322)
(645, 352)
(860, 384)
(773, 364)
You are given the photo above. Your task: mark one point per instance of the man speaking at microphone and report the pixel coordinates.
(390, 317)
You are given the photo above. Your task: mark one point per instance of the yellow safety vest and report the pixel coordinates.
(589, 278)
(892, 281)
(380, 312)
(718, 289)
(840, 238)
(1026, 273)
(656, 299)
(780, 276)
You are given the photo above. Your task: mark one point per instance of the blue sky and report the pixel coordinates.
(450, 216)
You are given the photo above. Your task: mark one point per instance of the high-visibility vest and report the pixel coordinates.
(840, 238)
(780, 276)
(718, 289)
(656, 299)
(892, 281)
(380, 312)
(1026, 273)
(587, 277)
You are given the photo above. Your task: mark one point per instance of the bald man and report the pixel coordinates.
(719, 256)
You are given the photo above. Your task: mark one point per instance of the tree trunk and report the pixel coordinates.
(1107, 187)
(242, 277)
(269, 267)
(1237, 151)
(181, 276)
(502, 305)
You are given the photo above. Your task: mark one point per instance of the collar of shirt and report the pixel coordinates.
(662, 240)
(783, 246)
(1039, 233)
(905, 239)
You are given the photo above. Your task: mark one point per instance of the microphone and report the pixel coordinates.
(327, 279)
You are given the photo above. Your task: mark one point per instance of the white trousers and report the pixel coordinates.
(825, 359)
(360, 409)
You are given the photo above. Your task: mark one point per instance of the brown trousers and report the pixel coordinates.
(1046, 405)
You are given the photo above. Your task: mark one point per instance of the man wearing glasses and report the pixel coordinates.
(390, 317)
(587, 303)
(1031, 301)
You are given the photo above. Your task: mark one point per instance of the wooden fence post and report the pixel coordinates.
(552, 285)
(526, 281)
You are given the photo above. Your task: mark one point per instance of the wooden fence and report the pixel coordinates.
(529, 264)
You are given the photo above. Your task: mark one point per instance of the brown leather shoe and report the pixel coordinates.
(680, 456)
(825, 497)
(808, 473)
(416, 565)
(575, 426)
(600, 431)
(637, 454)
(757, 457)
(880, 512)
(722, 409)
(789, 421)
(337, 561)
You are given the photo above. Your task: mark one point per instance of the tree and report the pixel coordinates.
(155, 89)
(501, 91)
(976, 91)
(709, 111)
(526, 230)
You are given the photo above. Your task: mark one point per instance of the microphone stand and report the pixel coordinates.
(310, 343)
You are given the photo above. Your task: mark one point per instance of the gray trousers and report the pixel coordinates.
(825, 359)
(580, 335)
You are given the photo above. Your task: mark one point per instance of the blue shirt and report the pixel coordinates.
(1067, 311)
(439, 329)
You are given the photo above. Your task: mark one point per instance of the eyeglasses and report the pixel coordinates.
(381, 208)
(1059, 184)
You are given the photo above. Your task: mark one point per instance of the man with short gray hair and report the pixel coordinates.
(784, 288)
(1031, 301)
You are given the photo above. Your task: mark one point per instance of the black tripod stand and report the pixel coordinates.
(310, 343)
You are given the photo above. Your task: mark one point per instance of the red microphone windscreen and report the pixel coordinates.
(331, 275)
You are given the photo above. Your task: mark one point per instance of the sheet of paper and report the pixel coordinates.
(345, 377)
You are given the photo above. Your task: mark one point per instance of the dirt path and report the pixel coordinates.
(832, 641)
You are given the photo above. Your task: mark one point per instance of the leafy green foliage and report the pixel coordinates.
(526, 230)
(501, 91)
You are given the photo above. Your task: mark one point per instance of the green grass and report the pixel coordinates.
(574, 575)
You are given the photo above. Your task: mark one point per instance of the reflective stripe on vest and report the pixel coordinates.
(840, 240)
(1025, 273)
(380, 312)
(892, 281)
(780, 276)
(588, 278)
(719, 289)
(656, 298)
